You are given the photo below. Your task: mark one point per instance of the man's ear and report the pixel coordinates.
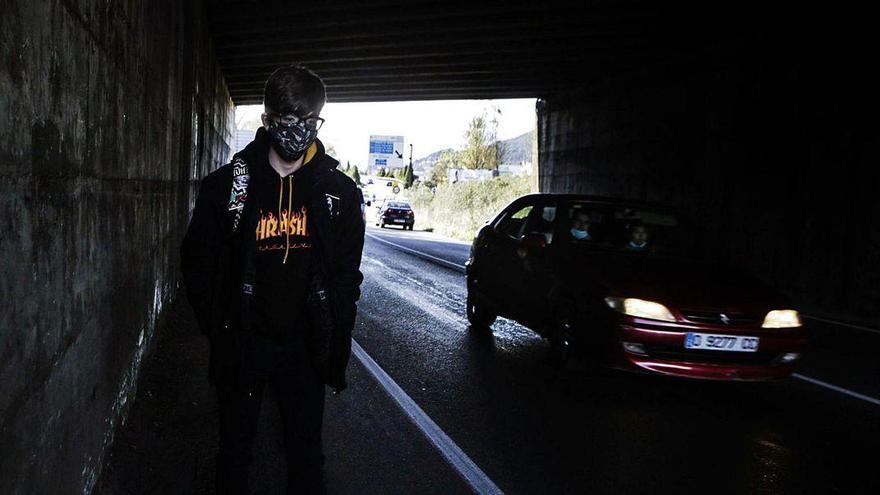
(265, 118)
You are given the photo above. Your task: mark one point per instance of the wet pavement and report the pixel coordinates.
(529, 425)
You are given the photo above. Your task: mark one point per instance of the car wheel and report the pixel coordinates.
(383, 225)
(478, 313)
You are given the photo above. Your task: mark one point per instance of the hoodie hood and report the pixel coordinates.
(256, 154)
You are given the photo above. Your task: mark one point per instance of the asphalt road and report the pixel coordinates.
(435, 408)
(534, 428)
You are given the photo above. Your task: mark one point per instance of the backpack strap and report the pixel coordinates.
(238, 195)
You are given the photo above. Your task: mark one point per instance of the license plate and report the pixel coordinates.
(714, 342)
(399, 220)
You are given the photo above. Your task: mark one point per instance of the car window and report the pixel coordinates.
(631, 229)
(512, 225)
(542, 222)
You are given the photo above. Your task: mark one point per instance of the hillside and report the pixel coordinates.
(517, 150)
(513, 152)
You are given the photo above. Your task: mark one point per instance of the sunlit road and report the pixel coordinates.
(534, 428)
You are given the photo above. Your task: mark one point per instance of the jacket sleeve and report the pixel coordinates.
(349, 246)
(199, 253)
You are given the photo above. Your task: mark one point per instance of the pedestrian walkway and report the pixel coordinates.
(169, 440)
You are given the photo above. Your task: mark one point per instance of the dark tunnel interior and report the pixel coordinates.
(756, 120)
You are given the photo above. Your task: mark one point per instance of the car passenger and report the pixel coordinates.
(638, 237)
(580, 226)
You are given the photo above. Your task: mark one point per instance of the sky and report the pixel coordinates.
(429, 125)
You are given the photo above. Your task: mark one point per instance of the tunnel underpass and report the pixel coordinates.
(753, 120)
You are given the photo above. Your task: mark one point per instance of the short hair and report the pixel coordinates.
(635, 224)
(582, 212)
(294, 88)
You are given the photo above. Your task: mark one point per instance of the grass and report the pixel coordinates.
(459, 210)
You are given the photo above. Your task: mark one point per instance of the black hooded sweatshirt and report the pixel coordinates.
(284, 245)
(290, 226)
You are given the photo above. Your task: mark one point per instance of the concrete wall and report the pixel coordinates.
(771, 146)
(109, 111)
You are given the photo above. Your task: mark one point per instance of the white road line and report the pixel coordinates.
(418, 253)
(456, 457)
(805, 378)
(842, 390)
(421, 235)
(843, 324)
(461, 267)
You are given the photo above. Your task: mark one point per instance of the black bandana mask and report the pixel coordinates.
(291, 142)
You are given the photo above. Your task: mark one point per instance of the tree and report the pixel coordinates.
(481, 149)
(381, 172)
(356, 175)
(347, 166)
(408, 176)
(330, 150)
(447, 160)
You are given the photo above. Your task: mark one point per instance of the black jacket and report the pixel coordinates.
(214, 255)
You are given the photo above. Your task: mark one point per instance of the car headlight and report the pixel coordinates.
(640, 308)
(782, 318)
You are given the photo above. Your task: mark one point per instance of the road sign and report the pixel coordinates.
(385, 151)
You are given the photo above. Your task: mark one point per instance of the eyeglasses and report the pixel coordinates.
(291, 119)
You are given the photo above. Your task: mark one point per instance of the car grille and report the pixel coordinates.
(718, 318)
(704, 356)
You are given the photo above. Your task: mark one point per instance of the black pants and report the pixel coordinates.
(289, 375)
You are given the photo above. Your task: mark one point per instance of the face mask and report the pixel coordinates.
(579, 234)
(291, 142)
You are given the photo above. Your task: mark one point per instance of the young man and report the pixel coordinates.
(271, 265)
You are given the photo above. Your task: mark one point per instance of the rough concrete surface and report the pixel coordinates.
(108, 112)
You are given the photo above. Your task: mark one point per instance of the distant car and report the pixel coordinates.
(396, 213)
(630, 286)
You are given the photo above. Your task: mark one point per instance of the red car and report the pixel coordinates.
(630, 286)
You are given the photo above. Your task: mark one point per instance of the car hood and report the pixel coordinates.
(677, 282)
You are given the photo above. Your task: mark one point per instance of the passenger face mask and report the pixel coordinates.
(579, 234)
(290, 142)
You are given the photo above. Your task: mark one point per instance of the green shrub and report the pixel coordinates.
(459, 210)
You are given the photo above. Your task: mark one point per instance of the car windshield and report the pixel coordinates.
(628, 229)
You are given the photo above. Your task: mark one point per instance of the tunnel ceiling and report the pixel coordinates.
(386, 51)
